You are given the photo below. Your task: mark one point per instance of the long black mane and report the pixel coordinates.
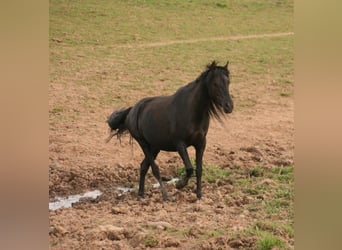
(205, 77)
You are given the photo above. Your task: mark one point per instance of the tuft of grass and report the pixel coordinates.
(213, 173)
(267, 236)
(284, 174)
(216, 233)
(221, 5)
(276, 206)
(268, 242)
(57, 110)
(150, 241)
(276, 228)
(257, 171)
(252, 191)
(284, 94)
(152, 227)
(185, 231)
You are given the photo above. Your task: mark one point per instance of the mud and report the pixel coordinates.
(120, 220)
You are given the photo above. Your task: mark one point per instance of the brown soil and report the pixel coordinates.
(80, 160)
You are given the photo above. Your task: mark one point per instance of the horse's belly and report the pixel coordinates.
(168, 148)
(165, 144)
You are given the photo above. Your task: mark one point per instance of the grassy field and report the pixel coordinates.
(110, 53)
(85, 40)
(121, 22)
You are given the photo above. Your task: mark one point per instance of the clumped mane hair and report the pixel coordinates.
(215, 110)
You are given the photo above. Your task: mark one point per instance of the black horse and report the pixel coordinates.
(175, 122)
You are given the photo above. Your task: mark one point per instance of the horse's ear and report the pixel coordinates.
(212, 65)
(227, 64)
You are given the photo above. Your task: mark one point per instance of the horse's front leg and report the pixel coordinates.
(199, 156)
(188, 167)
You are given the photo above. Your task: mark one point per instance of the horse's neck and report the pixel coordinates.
(201, 101)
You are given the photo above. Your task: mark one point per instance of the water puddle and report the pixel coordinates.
(67, 202)
(173, 180)
(124, 190)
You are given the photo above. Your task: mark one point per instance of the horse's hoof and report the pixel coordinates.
(180, 184)
(166, 198)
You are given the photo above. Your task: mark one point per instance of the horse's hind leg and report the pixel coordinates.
(144, 166)
(155, 171)
(188, 167)
(150, 156)
(143, 170)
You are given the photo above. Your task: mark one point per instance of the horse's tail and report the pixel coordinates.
(116, 122)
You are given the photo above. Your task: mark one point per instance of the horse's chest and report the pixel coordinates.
(195, 134)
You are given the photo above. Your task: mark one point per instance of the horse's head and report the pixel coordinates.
(218, 87)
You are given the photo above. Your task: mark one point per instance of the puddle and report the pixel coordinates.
(173, 180)
(67, 202)
(124, 190)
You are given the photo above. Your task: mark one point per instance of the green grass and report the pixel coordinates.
(57, 110)
(284, 93)
(210, 174)
(256, 171)
(267, 242)
(284, 174)
(267, 235)
(85, 53)
(275, 228)
(112, 24)
(271, 203)
(216, 233)
(150, 241)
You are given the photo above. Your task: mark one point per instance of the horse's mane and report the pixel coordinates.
(214, 110)
(211, 67)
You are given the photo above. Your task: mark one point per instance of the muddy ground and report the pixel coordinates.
(80, 160)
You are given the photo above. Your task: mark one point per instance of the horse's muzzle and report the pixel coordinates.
(228, 107)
